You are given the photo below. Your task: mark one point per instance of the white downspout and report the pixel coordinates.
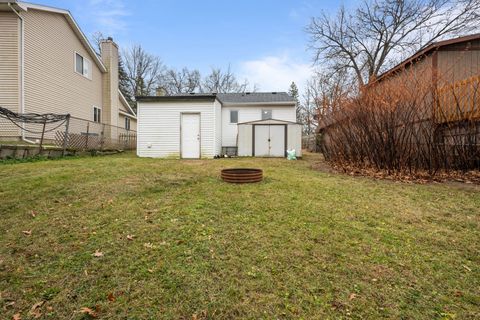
(22, 70)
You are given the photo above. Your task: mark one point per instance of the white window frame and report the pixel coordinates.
(271, 114)
(94, 114)
(230, 116)
(127, 121)
(87, 66)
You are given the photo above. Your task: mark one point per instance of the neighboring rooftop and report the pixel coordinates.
(229, 98)
(255, 97)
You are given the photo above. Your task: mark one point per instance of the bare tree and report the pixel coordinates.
(142, 69)
(183, 81)
(96, 39)
(220, 81)
(365, 40)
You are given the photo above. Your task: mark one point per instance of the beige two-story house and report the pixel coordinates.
(47, 65)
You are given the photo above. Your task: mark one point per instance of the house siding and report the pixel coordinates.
(51, 83)
(121, 122)
(9, 69)
(251, 113)
(159, 125)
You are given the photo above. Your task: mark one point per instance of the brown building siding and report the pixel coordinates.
(459, 61)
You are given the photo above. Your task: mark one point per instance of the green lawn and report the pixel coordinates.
(303, 244)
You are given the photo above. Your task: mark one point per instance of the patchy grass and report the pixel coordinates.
(302, 244)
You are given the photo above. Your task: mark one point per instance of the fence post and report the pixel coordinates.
(65, 139)
(41, 139)
(102, 137)
(88, 134)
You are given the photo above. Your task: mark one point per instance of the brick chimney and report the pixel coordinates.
(109, 55)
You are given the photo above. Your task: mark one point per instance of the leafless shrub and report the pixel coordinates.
(406, 125)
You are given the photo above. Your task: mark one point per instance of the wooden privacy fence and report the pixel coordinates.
(458, 101)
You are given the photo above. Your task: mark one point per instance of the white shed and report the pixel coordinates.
(207, 125)
(269, 138)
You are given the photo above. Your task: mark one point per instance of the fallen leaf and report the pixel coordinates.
(27, 232)
(35, 310)
(97, 254)
(467, 268)
(110, 297)
(88, 312)
(33, 213)
(9, 304)
(50, 308)
(352, 296)
(17, 316)
(150, 270)
(130, 237)
(148, 245)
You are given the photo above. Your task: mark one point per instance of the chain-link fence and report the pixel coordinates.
(63, 132)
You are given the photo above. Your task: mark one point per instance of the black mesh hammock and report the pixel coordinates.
(35, 118)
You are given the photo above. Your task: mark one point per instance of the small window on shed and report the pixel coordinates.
(127, 123)
(233, 116)
(266, 114)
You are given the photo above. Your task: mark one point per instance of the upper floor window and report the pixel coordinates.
(97, 114)
(127, 123)
(266, 114)
(83, 66)
(233, 116)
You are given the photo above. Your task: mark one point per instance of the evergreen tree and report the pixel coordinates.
(123, 84)
(293, 92)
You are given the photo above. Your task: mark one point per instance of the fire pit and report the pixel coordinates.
(242, 175)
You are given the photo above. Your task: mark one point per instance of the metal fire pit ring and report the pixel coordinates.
(242, 175)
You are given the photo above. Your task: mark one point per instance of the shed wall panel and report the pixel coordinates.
(244, 140)
(294, 138)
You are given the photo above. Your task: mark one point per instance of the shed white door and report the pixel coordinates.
(190, 140)
(277, 141)
(269, 141)
(262, 146)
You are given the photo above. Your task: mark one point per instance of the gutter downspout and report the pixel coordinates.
(22, 69)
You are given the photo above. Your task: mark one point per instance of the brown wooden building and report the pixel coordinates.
(454, 69)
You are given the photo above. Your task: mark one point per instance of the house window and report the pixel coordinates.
(83, 66)
(127, 123)
(97, 114)
(233, 116)
(266, 114)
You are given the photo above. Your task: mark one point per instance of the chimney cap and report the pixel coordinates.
(110, 39)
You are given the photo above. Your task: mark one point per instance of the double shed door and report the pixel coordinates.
(269, 140)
